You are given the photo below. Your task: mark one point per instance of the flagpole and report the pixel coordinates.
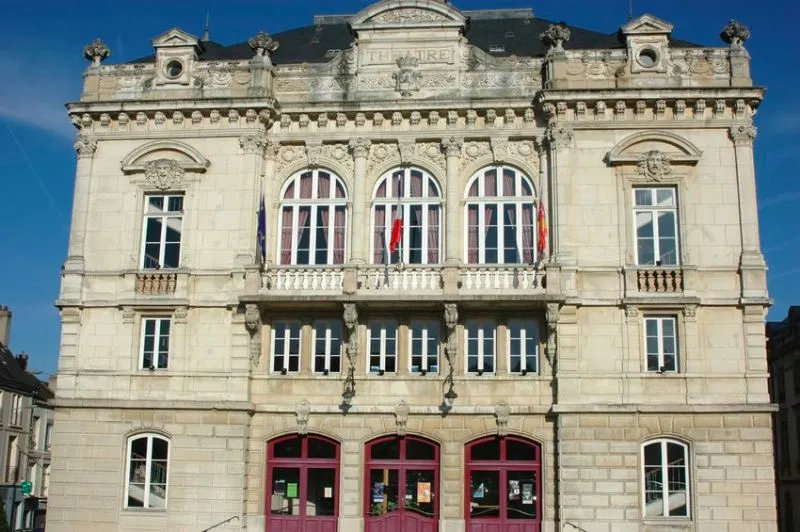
(400, 215)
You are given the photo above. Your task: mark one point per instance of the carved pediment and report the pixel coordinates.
(646, 25)
(653, 154)
(163, 165)
(397, 13)
(175, 37)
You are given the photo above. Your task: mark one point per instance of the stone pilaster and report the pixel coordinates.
(452, 149)
(559, 140)
(253, 147)
(359, 242)
(85, 147)
(751, 261)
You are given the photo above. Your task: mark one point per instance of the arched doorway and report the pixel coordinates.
(503, 485)
(302, 484)
(402, 480)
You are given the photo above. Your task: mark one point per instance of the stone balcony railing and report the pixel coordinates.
(660, 280)
(406, 280)
(156, 283)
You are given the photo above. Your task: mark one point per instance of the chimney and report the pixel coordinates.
(5, 325)
(22, 360)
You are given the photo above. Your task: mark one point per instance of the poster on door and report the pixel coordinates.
(377, 492)
(513, 490)
(527, 493)
(423, 492)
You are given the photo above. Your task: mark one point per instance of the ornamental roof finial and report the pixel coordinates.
(96, 52)
(262, 44)
(555, 36)
(735, 34)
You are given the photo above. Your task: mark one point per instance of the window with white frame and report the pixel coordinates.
(500, 218)
(665, 478)
(416, 194)
(36, 436)
(656, 222)
(286, 346)
(148, 459)
(424, 336)
(661, 343)
(327, 346)
(382, 343)
(34, 479)
(523, 346)
(16, 410)
(480, 339)
(155, 342)
(163, 225)
(313, 219)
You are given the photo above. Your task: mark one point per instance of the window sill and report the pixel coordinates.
(672, 522)
(140, 511)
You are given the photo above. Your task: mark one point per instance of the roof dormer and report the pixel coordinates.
(176, 52)
(647, 40)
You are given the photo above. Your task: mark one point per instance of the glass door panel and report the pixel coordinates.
(484, 487)
(420, 496)
(522, 501)
(285, 491)
(320, 490)
(384, 487)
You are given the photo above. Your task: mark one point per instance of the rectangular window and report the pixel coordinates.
(327, 346)
(163, 224)
(48, 436)
(46, 481)
(655, 214)
(155, 343)
(286, 346)
(12, 459)
(480, 336)
(661, 341)
(36, 436)
(523, 346)
(16, 410)
(424, 337)
(382, 343)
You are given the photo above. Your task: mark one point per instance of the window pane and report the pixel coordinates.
(384, 487)
(519, 450)
(488, 450)
(420, 450)
(521, 494)
(643, 197)
(484, 488)
(321, 487)
(175, 204)
(491, 238)
(319, 448)
(288, 448)
(653, 481)
(160, 449)
(665, 197)
(386, 450)
(285, 491)
(420, 496)
(155, 204)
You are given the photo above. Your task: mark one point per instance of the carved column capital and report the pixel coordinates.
(252, 143)
(360, 147)
(743, 135)
(271, 148)
(559, 137)
(452, 146)
(85, 146)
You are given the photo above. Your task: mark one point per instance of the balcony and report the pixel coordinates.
(401, 281)
(156, 283)
(660, 280)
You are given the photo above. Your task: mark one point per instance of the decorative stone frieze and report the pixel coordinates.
(252, 143)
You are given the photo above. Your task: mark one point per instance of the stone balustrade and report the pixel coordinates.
(156, 283)
(420, 279)
(313, 279)
(660, 280)
(490, 278)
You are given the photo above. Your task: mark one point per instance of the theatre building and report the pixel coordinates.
(416, 269)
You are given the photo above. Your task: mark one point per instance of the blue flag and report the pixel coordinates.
(262, 230)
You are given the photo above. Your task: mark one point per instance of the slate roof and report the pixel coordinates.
(14, 378)
(519, 35)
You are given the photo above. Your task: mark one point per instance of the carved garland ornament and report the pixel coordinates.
(406, 15)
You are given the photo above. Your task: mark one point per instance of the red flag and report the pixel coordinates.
(397, 232)
(541, 222)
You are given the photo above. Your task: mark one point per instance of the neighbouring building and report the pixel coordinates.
(416, 269)
(26, 425)
(783, 353)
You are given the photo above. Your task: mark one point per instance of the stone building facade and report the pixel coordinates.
(783, 353)
(416, 269)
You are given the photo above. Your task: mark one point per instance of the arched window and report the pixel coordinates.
(500, 217)
(313, 219)
(503, 484)
(148, 459)
(416, 194)
(302, 483)
(665, 478)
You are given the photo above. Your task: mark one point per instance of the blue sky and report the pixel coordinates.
(42, 61)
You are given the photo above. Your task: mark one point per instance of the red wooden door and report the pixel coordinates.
(302, 484)
(402, 479)
(503, 485)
